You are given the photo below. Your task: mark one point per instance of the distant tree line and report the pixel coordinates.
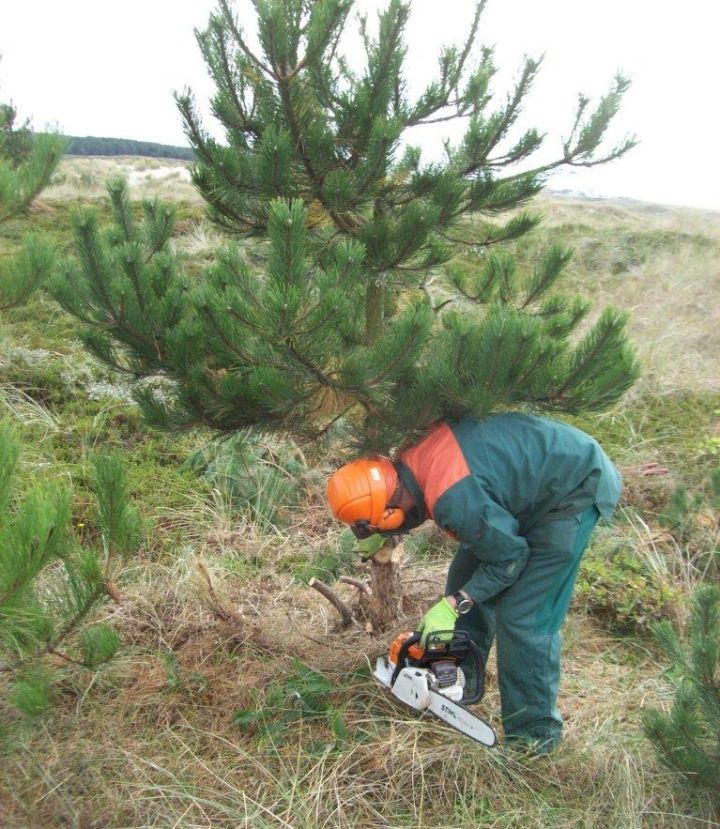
(90, 145)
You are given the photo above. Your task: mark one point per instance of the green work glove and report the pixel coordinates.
(441, 616)
(369, 546)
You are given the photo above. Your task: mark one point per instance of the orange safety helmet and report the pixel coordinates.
(360, 492)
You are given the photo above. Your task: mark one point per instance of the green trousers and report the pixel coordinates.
(525, 620)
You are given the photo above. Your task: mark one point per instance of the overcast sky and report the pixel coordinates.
(95, 67)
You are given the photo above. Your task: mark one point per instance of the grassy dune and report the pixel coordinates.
(84, 178)
(662, 265)
(236, 701)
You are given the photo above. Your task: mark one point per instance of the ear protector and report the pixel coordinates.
(391, 519)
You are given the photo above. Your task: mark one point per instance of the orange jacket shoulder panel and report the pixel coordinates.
(437, 463)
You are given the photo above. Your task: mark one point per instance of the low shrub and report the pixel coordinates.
(50, 582)
(622, 592)
(693, 519)
(324, 563)
(304, 695)
(262, 477)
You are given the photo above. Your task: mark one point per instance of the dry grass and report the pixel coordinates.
(133, 747)
(674, 301)
(626, 213)
(200, 242)
(141, 744)
(84, 177)
(672, 292)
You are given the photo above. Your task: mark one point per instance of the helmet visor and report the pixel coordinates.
(362, 529)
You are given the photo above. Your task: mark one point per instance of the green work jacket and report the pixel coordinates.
(490, 481)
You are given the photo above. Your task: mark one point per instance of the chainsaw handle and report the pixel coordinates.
(477, 694)
(402, 654)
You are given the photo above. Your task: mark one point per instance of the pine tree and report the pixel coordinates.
(344, 299)
(687, 739)
(16, 141)
(27, 163)
(49, 582)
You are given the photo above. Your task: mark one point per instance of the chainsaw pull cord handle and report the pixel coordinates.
(479, 690)
(402, 654)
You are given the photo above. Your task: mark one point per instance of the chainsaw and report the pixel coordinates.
(431, 678)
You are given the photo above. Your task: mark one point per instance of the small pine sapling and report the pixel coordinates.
(331, 310)
(687, 739)
(27, 163)
(50, 583)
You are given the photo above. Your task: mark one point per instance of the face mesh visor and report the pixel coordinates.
(362, 530)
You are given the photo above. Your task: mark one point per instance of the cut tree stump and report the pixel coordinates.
(380, 603)
(386, 608)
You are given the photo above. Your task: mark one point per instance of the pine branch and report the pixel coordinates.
(479, 9)
(342, 222)
(229, 19)
(346, 614)
(448, 84)
(336, 23)
(229, 86)
(319, 435)
(547, 273)
(398, 14)
(687, 739)
(314, 371)
(508, 116)
(590, 349)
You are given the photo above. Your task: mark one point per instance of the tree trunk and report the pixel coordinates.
(386, 585)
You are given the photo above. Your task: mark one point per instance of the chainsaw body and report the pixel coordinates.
(431, 678)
